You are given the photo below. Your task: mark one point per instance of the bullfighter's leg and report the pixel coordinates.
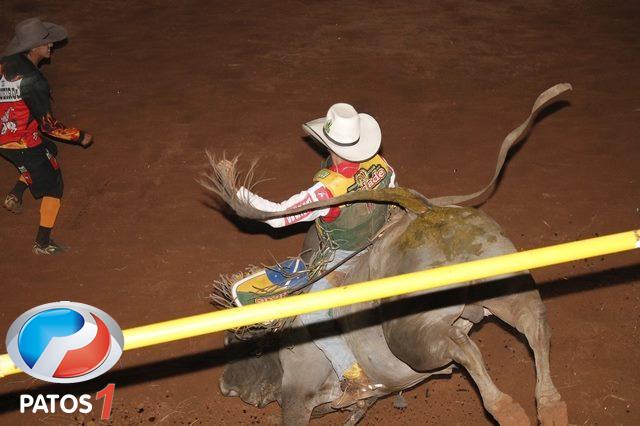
(526, 312)
(13, 200)
(465, 352)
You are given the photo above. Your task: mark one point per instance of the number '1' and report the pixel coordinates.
(107, 394)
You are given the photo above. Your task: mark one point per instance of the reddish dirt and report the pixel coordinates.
(157, 85)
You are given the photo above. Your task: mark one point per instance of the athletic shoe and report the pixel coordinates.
(49, 249)
(12, 203)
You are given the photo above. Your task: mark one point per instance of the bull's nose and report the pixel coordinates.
(227, 391)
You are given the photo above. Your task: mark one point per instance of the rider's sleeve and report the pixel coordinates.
(315, 193)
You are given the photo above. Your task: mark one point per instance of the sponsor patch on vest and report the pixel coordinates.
(9, 90)
(321, 174)
(368, 178)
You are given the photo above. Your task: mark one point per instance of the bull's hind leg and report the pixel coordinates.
(465, 352)
(440, 343)
(526, 312)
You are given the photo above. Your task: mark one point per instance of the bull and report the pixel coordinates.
(403, 341)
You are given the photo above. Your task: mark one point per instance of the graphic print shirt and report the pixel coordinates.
(25, 106)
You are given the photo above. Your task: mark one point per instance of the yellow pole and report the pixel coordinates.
(430, 280)
(7, 366)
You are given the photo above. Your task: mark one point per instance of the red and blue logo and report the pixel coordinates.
(65, 342)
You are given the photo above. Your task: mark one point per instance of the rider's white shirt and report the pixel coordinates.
(315, 193)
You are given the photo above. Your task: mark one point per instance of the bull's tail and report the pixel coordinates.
(515, 136)
(224, 180)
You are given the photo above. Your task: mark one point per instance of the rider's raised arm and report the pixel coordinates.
(315, 193)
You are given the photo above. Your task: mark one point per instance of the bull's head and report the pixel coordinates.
(255, 378)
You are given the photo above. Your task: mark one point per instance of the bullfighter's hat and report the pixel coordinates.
(32, 33)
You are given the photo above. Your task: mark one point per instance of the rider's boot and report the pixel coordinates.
(356, 386)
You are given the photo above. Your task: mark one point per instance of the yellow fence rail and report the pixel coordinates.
(431, 280)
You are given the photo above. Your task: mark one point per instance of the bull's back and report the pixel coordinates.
(443, 236)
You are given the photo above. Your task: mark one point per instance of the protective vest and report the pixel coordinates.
(25, 107)
(16, 123)
(357, 222)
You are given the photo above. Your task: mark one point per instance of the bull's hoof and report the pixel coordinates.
(553, 414)
(400, 402)
(509, 413)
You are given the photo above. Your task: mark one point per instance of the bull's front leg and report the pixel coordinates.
(294, 410)
(308, 379)
(304, 388)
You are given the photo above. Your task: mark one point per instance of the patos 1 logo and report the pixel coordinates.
(65, 342)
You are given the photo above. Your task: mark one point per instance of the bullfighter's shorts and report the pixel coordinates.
(39, 168)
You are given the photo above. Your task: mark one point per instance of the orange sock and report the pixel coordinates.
(49, 211)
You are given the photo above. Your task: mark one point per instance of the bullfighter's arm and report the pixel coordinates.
(315, 193)
(35, 93)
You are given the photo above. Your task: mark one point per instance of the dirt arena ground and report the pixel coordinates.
(157, 83)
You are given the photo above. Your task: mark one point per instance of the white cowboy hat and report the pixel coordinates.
(354, 137)
(32, 33)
